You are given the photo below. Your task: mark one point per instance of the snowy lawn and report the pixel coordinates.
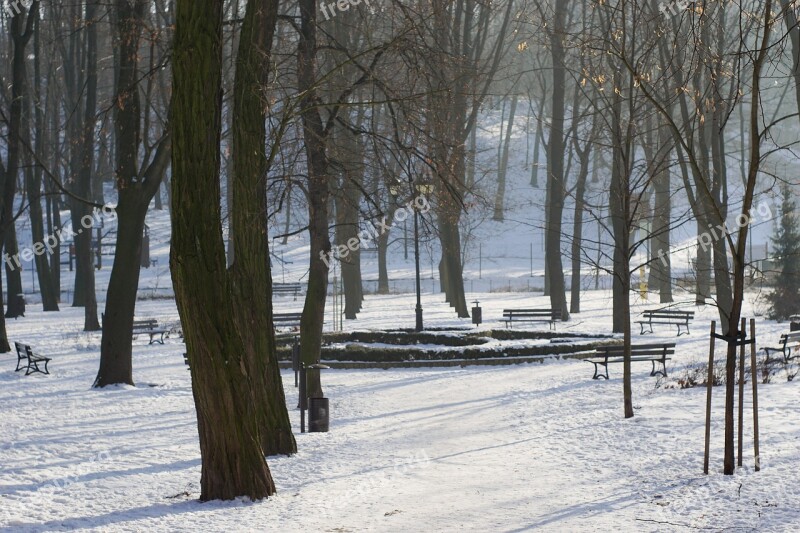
(530, 447)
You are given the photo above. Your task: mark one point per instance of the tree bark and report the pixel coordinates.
(33, 184)
(499, 200)
(134, 194)
(22, 28)
(555, 165)
(250, 272)
(315, 138)
(233, 463)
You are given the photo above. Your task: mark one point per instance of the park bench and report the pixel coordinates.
(788, 342)
(655, 353)
(531, 315)
(149, 326)
(26, 352)
(665, 316)
(286, 320)
(287, 288)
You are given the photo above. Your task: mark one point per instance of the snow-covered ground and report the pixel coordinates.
(530, 447)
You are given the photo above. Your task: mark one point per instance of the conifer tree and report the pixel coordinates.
(785, 299)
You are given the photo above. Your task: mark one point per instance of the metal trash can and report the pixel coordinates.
(794, 323)
(318, 415)
(477, 314)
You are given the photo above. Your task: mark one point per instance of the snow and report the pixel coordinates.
(525, 447)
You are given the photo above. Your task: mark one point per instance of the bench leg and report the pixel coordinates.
(598, 376)
(648, 324)
(655, 372)
(19, 367)
(679, 329)
(33, 368)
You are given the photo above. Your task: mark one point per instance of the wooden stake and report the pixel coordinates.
(753, 364)
(709, 386)
(741, 397)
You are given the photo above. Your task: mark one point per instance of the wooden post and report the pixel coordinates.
(709, 386)
(753, 365)
(741, 397)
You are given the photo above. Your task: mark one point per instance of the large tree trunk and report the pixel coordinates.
(134, 194)
(555, 164)
(22, 27)
(233, 463)
(315, 138)
(250, 272)
(33, 185)
(116, 364)
(84, 269)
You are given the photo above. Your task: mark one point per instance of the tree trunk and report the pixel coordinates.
(33, 185)
(499, 199)
(577, 232)
(661, 262)
(233, 463)
(22, 27)
(134, 195)
(555, 164)
(116, 363)
(315, 138)
(536, 143)
(84, 269)
(250, 273)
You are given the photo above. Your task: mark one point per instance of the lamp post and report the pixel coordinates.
(422, 188)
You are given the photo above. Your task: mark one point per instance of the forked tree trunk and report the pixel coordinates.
(233, 463)
(134, 195)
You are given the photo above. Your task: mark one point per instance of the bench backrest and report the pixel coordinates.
(287, 287)
(287, 317)
(145, 323)
(790, 338)
(552, 313)
(666, 313)
(20, 349)
(638, 350)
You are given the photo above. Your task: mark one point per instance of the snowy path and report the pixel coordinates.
(531, 447)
